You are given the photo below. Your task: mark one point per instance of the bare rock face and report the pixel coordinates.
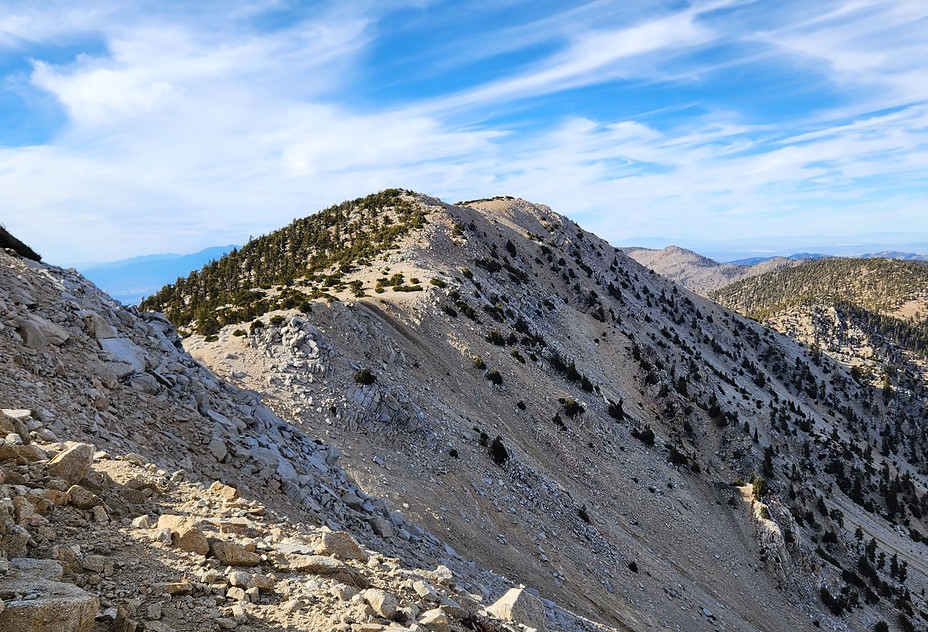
(73, 464)
(519, 606)
(51, 606)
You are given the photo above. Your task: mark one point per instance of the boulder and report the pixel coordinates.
(382, 526)
(128, 357)
(51, 606)
(435, 620)
(185, 534)
(83, 498)
(340, 545)
(233, 553)
(32, 335)
(54, 334)
(383, 603)
(73, 464)
(217, 447)
(519, 606)
(21, 453)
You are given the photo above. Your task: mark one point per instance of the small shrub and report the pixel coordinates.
(453, 453)
(632, 566)
(479, 363)
(615, 410)
(677, 457)
(438, 282)
(571, 407)
(759, 488)
(277, 320)
(584, 515)
(494, 376)
(212, 338)
(646, 436)
(499, 452)
(238, 333)
(365, 377)
(494, 336)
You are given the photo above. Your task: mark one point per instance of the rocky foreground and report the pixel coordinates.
(139, 492)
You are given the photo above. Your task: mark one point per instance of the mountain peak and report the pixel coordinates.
(494, 368)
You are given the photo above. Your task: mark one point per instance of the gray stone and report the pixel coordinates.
(382, 526)
(32, 335)
(128, 357)
(217, 447)
(519, 606)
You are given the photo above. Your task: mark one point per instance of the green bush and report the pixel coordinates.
(277, 320)
(255, 325)
(238, 333)
(494, 376)
(759, 488)
(479, 363)
(365, 377)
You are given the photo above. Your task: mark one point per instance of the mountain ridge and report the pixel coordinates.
(503, 318)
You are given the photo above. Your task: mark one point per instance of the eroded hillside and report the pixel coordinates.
(566, 417)
(138, 492)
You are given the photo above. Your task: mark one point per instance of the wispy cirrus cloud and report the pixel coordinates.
(189, 124)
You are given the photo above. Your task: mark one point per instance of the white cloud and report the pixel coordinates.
(195, 127)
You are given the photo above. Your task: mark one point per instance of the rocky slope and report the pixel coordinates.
(701, 274)
(140, 492)
(566, 417)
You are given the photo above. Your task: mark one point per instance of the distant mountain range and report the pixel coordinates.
(130, 280)
(886, 254)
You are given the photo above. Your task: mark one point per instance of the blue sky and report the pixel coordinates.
(129, 128)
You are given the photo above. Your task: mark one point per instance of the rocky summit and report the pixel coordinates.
(434, 416)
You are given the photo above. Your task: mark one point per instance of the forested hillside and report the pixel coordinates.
(881, 286)
(313, 252)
